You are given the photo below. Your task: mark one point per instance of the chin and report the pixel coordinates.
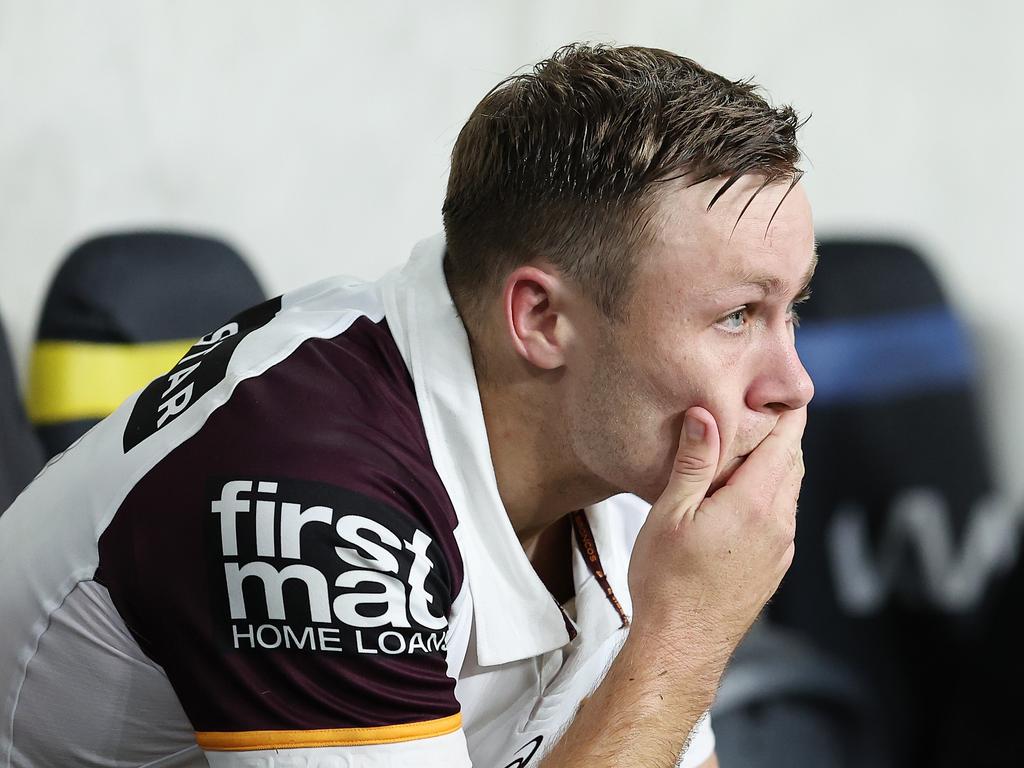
(651, 491)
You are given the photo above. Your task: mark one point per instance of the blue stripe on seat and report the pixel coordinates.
(885, 356)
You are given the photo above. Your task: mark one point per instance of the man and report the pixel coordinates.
(385, 524)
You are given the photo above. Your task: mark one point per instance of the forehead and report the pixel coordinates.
(699, 250)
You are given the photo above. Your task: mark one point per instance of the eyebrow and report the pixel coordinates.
(772, 285)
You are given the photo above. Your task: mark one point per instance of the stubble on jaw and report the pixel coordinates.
(630, 443)
(615, 424)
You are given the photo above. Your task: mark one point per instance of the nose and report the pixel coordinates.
(781, 383)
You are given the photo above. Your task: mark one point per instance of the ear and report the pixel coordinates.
(534, 301)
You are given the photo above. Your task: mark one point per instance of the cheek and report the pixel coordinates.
(677, 379)
(717, 389)
(702, 369)
(674, 375)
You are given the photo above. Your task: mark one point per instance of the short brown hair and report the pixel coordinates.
(562, 163)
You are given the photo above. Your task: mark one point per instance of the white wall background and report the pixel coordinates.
(315, 134)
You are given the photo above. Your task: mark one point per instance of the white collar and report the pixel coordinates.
(515, 615)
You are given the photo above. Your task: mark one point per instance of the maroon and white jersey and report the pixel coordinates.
(291, 551)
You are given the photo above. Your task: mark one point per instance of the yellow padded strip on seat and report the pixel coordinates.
(71, 380)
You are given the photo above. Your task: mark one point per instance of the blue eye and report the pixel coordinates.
(734, 321)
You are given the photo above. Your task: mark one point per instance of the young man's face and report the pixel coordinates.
(710, 323)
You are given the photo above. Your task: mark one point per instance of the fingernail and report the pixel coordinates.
(694, 428)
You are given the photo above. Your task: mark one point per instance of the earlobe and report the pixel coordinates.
(533, 300)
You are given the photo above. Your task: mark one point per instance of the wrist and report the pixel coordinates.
(691, 653)
(671, 669)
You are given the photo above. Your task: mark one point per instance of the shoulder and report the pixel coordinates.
(325, 351)
(273, 532)
(297, 532)
(324, 443)
(310, 385)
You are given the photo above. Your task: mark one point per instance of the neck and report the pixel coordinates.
(538, 478)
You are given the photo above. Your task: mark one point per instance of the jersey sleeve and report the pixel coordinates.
(292, 567)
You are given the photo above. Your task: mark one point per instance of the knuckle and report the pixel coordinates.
(761, 511)
(688, 466)
(785, 522)
(794, 456)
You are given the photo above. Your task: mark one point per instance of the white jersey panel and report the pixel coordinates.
(87, 650)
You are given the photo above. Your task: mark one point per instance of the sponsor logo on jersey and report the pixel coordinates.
(199, 371)
(304, 566)
(525, 753)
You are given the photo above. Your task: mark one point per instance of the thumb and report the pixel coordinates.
(696, 461)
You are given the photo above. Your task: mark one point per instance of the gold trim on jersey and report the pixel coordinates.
(230, 741)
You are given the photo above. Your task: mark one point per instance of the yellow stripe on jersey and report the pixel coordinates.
(72, 380)
(233, 741)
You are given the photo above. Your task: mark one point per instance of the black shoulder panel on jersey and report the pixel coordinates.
(199, 371)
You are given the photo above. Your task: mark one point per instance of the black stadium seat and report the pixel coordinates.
(906, 557)
(785, 704)
(21, 455)
(121, 310)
